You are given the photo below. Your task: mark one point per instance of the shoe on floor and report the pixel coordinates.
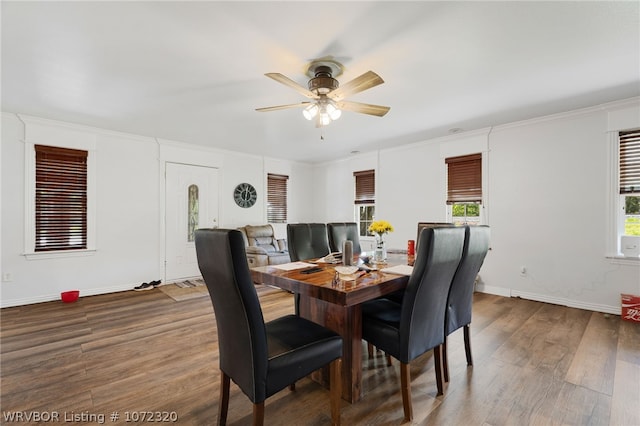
(155, 283)
(144, 286)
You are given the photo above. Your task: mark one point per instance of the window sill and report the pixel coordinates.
(622, 260)
(59, 254)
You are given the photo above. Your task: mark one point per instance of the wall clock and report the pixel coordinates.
(245, 195)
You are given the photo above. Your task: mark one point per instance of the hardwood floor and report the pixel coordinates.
(534, 363)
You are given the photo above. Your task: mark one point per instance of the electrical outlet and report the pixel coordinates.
(523, 271)
(7, 276)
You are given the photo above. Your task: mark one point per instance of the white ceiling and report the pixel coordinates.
(194, 71)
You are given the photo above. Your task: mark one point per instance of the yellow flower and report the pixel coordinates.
(380, 227)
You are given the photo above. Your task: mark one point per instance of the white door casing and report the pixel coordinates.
(180, 252)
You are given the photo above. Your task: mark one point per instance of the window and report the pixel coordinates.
(277, 198)
(629, 191)
(464, 188)
(60, 198)
(193, 212)
(365, 198)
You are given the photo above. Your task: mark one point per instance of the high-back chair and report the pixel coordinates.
(460, 301)
(407, 330)
(422, 225)
(397, 296)
(261, 358)
(307, 241)
(339, 232)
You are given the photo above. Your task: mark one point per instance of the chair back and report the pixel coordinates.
(425, 298)
(307, 241)
(241, 330)
(341, 231)
(459, 305)
(422, 225)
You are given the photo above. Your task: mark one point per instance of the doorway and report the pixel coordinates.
(191, 202)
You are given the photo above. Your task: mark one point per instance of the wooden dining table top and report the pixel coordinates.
(323, 285)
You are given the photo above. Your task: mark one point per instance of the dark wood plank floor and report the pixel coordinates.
(534, 364)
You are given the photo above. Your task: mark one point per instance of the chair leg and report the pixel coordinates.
(388, 360)
(437, 353)
(370, 350)
(405, 387)
(445, 361)
(258, 414)
(467, 344)
(336, 390)
(292, 387)
(223, 403)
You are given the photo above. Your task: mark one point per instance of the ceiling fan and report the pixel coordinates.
(328, 95)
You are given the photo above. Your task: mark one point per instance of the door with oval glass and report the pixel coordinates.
(191, 202)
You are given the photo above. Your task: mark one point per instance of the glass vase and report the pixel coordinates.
(380, 253)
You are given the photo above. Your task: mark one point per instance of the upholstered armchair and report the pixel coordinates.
(262, 247)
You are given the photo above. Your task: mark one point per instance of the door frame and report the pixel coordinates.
(173, 152)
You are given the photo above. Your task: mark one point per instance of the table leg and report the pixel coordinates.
(346, 321)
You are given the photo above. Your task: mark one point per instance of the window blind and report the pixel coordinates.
(365, 187)
(464, 179)
(61, 198)
(277, 198)
(630, 162)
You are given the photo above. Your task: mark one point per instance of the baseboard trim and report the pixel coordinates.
(498, 291)
(597, 307)
(481, 288)
(52, 297)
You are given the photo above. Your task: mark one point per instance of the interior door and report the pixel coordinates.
(191, 202)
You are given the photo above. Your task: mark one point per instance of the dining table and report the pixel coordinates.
(335, 301)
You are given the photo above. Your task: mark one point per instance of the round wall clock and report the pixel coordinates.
(245, 195)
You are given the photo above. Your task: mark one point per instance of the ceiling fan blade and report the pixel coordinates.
(366, 81)
(377, 110)
(275, 108)
(288, 82)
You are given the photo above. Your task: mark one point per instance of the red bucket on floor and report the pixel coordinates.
(630, 307)
(70, 296)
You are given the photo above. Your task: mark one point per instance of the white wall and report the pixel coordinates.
(545, 187)
(130, 210)
(545, 183)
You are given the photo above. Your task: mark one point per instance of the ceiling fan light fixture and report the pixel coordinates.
(325, 119)
(310, 112)
(333, 111)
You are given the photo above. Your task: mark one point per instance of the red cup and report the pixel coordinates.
(411, 248)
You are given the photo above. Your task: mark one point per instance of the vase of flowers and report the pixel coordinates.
(379, 228)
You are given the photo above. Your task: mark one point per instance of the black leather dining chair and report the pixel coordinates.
(460, 301)
(261, 358)
(408, 329)
(422, 225)
(307, 241)
(339, 232)
(397, 296)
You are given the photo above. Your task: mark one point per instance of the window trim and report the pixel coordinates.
(615, 217)
(364, 195)
(30, 194)
(481, 197)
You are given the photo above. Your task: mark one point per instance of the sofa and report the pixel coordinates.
(262, 247)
